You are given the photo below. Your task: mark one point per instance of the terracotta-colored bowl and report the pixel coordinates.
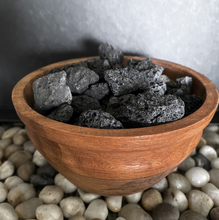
(116, 162)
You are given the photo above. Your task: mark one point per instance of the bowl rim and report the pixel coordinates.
(206, 111)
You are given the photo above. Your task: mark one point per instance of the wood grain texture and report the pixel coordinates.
(116, 162)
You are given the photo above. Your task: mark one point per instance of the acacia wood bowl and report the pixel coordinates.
(116, 162)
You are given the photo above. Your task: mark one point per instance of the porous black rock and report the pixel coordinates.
(146, 109)
(79, 79)
(54, 70)
(99, 119)
(192, 103)
(169, 83)
(41, 180)
(47, 169)
(83, 103)
(201, 161)
(63, 113)
(98, 91)
(110, 53)
(147, 66)
(99, 67)
(125, 81)
(156, 85)
(51, 91)
(185, 83)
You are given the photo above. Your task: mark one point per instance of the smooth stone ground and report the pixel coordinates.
(191, 215)
(178, 181)
(197, 176)
(176, 198)
(86, 196)
(133, 198)
(11, 132)
(7, 212)
(215, 163)
(20, 193)
(200, 202)
(77, 217)
(2, 130)
(6, 170)
(212, 191)
(38, 159)
(114, 203)
(41, 180)
(28, 208)
(5, 143)
(1, 153)
(12, 181)
(150, 199)
(29, 146)
(165, 211)
(20, 157)
(211, 128)
(201, 143)
(21, 137)
(187, 164)
(47, 169)
(72, 206)
(212, 139)
(51, 194)
(12, 149)
(133, 211)
(96, 209)
(65, 184)
(3, 192)
(214, 176)
(161, 186)
(214, 214)
(25, 170)
(209, 152)
(49, 212)
(201, 161)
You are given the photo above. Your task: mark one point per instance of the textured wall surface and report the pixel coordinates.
(37, 33)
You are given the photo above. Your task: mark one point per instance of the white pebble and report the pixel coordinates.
(215, 163)
(7, 212)
(197, 176)
(96, 209)
(134, 198)
(200, 202)
(51, 194)
(3, 192)
(209, 152)
(179, 182)
(12, 149)
(21, 137)
(5, 142)
(212, 191)
(27, 209)
(187, 164)
(161, 186)
(150, 199)
(201, 143)
(120, 218)
(49, 212)
(212, 139)
(193, 152)
(65, 184)
(29, 146)
(11, 132)
(176, 198)
(86, 196)
(2, 130)
(214, 176)
(77, 217)
(12, 181)
(38, 159)
(21, 193)
(72, 206)
(211, 128)
(1, 153)
(6, 170)
(114, 203)
(20, 157)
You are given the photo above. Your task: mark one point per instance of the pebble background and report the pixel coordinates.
(30, 188)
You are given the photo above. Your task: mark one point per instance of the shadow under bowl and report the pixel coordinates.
(116, 162)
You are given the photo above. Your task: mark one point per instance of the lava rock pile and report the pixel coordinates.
(101, 93)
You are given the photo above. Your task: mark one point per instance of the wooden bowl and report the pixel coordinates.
(116, 162)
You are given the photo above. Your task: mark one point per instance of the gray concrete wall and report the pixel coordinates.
(37, 33)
